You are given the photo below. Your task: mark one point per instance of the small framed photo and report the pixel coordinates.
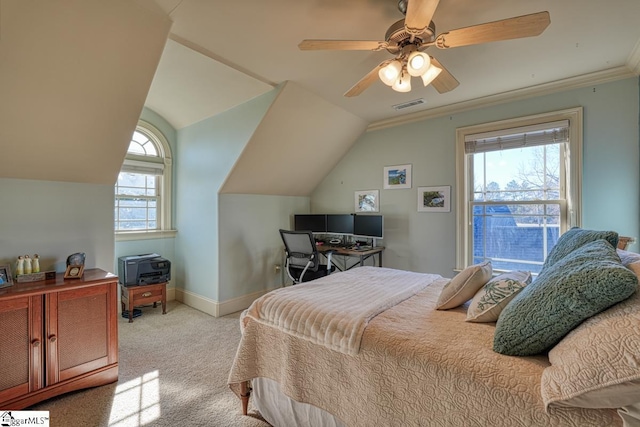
(74, 271)
(5, 276)
(397, 177)
(434, 199)
(367, 201)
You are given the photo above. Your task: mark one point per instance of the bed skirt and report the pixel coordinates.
(278, 409)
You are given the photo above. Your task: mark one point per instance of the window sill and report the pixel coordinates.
(123, 236)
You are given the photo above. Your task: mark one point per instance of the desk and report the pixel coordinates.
(348, 252)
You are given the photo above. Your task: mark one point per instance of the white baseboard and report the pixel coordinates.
(198, 302)
(215, 308)
(171, 294)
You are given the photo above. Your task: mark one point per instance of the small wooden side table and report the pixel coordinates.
(144, 294)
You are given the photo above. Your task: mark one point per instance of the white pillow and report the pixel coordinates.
(631, 260)
(464, 285)
(596, 364)
(488, 302)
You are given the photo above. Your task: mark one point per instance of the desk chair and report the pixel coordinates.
(303, 263)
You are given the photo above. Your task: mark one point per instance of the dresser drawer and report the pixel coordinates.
(143, 294)
(133, 296)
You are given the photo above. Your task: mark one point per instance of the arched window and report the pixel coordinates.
(143, 189)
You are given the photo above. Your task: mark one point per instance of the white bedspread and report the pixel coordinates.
(417, 367)
(334, 311)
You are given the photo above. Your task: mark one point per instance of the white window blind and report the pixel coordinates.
(524, 136)
(147, 168)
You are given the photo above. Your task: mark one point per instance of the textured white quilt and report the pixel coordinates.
(334, 311)
(417, 366)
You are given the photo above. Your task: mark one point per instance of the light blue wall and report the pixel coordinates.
(425, 242)
(54, 220)
(250, 243)
(207, 151)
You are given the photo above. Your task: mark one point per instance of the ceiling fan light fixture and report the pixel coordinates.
(430, 74)
(391, 72)
(418, 63)
(403, 83)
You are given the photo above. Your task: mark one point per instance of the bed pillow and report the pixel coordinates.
(574, 239)
(596, 364)
(488, 302)
(580, 285)
(631, 260)
(464, 285)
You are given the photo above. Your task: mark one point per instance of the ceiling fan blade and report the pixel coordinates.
(445, 81)
(366, 81)
(506, 29)
(342, 45)
(419, 14)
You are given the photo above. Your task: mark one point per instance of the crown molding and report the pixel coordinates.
(599, 77)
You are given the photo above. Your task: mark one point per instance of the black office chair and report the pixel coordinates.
(303, 263)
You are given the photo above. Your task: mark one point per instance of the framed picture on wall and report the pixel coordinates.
(397, 177)
(434, 199)
(367, 201)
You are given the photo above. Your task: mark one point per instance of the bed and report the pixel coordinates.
(402, 362)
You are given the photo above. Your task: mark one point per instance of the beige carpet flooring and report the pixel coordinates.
(173, 371)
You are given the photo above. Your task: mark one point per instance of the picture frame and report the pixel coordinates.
(74, 271)
(6, 278)
(434, 199)
(367, 201)
(396, 177)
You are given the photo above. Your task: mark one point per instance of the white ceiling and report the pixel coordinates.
(239, 50)
(73, 79)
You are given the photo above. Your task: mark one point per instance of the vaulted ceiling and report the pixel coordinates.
(75, 75)
(586, 42)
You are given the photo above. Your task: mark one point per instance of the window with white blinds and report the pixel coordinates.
(518, 189)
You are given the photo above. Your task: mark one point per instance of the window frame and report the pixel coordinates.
(464, 174)
(165, 185)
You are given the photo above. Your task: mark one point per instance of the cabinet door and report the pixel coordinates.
(21, 328)
(81, 331)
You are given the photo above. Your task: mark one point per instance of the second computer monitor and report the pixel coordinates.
(340, 223)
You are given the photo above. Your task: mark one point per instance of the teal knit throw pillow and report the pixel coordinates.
(575, 238)
(580, 285)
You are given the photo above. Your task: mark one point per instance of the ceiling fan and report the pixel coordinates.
(409, 37)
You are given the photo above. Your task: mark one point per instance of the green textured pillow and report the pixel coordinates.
(580, 285)
(574, 239)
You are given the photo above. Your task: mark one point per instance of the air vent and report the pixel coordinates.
(409, 104)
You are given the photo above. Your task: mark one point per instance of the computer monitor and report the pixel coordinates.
(316, 223)
(368, 225)
(340, 223)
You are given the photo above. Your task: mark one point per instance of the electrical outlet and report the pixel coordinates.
(277, 268)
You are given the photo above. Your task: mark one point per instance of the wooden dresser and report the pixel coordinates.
(57, 336)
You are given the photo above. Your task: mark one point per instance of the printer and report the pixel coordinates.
(146, 269)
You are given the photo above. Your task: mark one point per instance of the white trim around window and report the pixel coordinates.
(162, 167)
(572, 160)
